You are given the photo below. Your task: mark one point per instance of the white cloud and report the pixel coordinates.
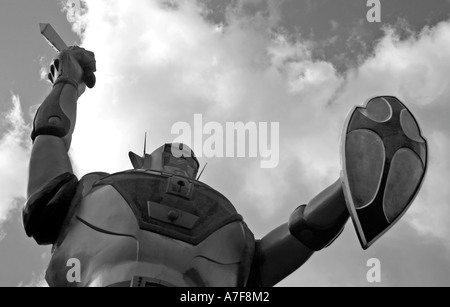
(429, 214)
(415, 68)
(37, 281)
(14, 155)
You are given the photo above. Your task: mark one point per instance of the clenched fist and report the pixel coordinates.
(76, 65)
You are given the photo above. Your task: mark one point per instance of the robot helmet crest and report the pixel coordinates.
(173, 158)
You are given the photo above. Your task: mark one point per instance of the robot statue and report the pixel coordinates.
(157, 225)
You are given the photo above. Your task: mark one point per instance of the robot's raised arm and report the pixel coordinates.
(51, 182)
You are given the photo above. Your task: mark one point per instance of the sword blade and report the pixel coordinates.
(52, 37)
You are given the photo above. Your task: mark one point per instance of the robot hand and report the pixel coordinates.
(74, 65)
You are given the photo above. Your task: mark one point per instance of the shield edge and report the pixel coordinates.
(344, 179)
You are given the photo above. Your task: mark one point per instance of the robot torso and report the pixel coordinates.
(144, 228)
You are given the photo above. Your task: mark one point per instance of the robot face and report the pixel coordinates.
(175, 158)
(179, 159)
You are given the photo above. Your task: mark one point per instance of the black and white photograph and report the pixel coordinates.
(225, 144)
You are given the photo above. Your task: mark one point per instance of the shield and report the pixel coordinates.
(384, 160)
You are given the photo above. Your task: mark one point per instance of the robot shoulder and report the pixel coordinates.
(47, 208)
(87, 182)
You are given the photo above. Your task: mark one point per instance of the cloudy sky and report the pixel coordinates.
(301, 63)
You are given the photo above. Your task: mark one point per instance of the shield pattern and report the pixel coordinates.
(384, 161)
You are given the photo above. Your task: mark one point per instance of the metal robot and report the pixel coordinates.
(156, 225)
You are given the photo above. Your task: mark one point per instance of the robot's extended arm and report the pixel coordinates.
(52, 184)
(310, 229)
(384, 159)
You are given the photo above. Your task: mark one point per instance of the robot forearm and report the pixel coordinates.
(57, 115)
(319, 223)
(52, 133)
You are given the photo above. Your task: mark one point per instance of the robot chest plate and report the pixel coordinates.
(171, 206)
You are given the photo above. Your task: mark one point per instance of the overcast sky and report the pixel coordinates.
(301, 63)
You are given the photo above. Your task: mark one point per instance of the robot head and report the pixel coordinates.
(173, 158)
